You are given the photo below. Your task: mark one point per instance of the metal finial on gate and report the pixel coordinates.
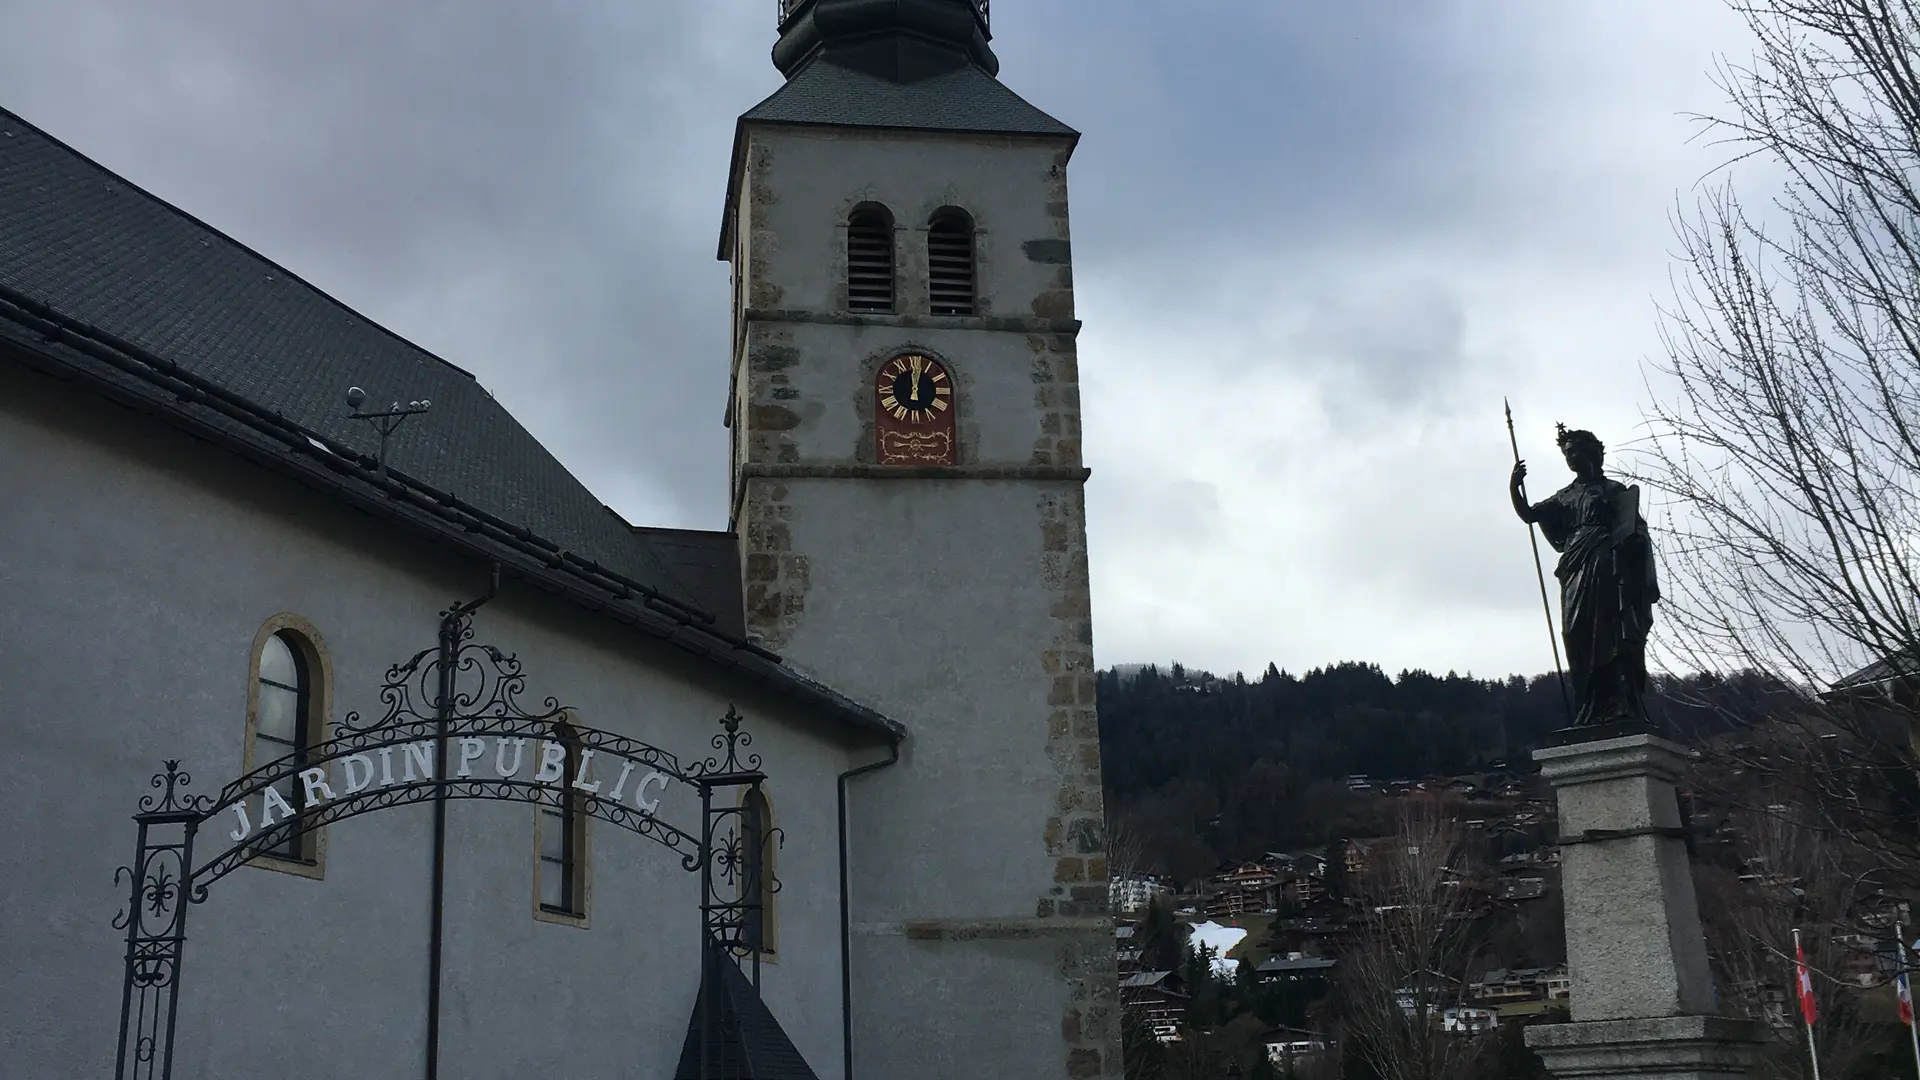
(174, 798)
(732, 740)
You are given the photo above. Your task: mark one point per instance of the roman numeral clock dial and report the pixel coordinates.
(914, 415)
(914, 388)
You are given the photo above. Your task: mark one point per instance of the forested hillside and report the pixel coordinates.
(1202, 768)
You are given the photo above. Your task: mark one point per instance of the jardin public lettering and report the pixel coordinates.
(362, 772)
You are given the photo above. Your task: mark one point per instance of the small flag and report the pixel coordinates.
(1806, 983)
(1906, 999)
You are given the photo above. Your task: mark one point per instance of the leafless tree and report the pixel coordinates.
(1142, 1054)
(1787, 874)
(1194, 1057)
(1786, 430)
(1126, 849)
(1410, 958)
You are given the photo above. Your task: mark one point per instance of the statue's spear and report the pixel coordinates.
(1540, 573)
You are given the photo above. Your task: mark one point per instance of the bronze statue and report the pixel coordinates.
(1607, 582)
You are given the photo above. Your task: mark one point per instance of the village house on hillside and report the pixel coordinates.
(1158, 1000)
(1132, 894)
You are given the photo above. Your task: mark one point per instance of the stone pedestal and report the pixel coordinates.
(1659, 1048)
(1643, 999)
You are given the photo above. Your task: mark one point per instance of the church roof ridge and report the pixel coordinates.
(135, 295)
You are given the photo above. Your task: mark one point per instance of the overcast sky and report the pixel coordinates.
(1315, 242)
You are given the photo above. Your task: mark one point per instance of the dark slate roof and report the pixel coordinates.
(965, 99)
(84, 241)
(744, 1041)
(709, 562)
(161, 311)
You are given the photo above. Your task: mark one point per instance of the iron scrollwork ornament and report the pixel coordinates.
(172, 783)
(730, 741)
(442, 707)
(483, 682)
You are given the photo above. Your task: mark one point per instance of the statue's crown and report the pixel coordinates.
(1577, 437)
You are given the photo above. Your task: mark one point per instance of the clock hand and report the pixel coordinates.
(913, 389)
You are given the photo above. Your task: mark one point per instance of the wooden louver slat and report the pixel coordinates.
(950, 265)
(869, 262)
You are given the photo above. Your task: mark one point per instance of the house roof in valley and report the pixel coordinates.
(1281, 964)
(1294, 1034)
(1883, 672)
(140, 301)
(1145, 980)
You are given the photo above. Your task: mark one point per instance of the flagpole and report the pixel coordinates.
(1804, 987)
(1906, 985)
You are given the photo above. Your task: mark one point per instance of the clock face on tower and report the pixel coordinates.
(914, 389)
(914, 409)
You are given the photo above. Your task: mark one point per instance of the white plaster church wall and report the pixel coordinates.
(137, 568)
(956, 604)
(955, 833)
(966, 842)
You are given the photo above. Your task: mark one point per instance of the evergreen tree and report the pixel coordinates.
(1164, 938)
(1206, 1007)
(1335, 880)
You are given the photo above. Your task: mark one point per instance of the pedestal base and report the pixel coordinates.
(1634, 944)
(1664, 1048)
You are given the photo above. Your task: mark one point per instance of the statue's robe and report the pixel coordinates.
(1607, 592)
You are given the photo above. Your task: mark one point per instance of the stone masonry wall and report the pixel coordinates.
(1076, 832)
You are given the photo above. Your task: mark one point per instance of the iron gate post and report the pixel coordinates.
(709, 940)
(160, 889)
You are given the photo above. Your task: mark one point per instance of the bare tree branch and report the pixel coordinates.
(1785, 438)
(1409, 964)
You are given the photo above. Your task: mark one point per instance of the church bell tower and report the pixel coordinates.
(908, 491)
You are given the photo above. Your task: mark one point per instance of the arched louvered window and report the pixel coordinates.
(950, 269)
(870, 259)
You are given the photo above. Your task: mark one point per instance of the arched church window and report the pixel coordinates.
(950, 262)
(870, 259)
(759, 881)
(286, 719)
(560, 871)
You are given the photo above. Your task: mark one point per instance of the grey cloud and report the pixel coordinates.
(1384, 344)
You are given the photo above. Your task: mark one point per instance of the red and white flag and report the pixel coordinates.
(1806, 983)
(1906, 999)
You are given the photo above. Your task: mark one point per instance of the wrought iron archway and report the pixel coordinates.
(442, 706)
